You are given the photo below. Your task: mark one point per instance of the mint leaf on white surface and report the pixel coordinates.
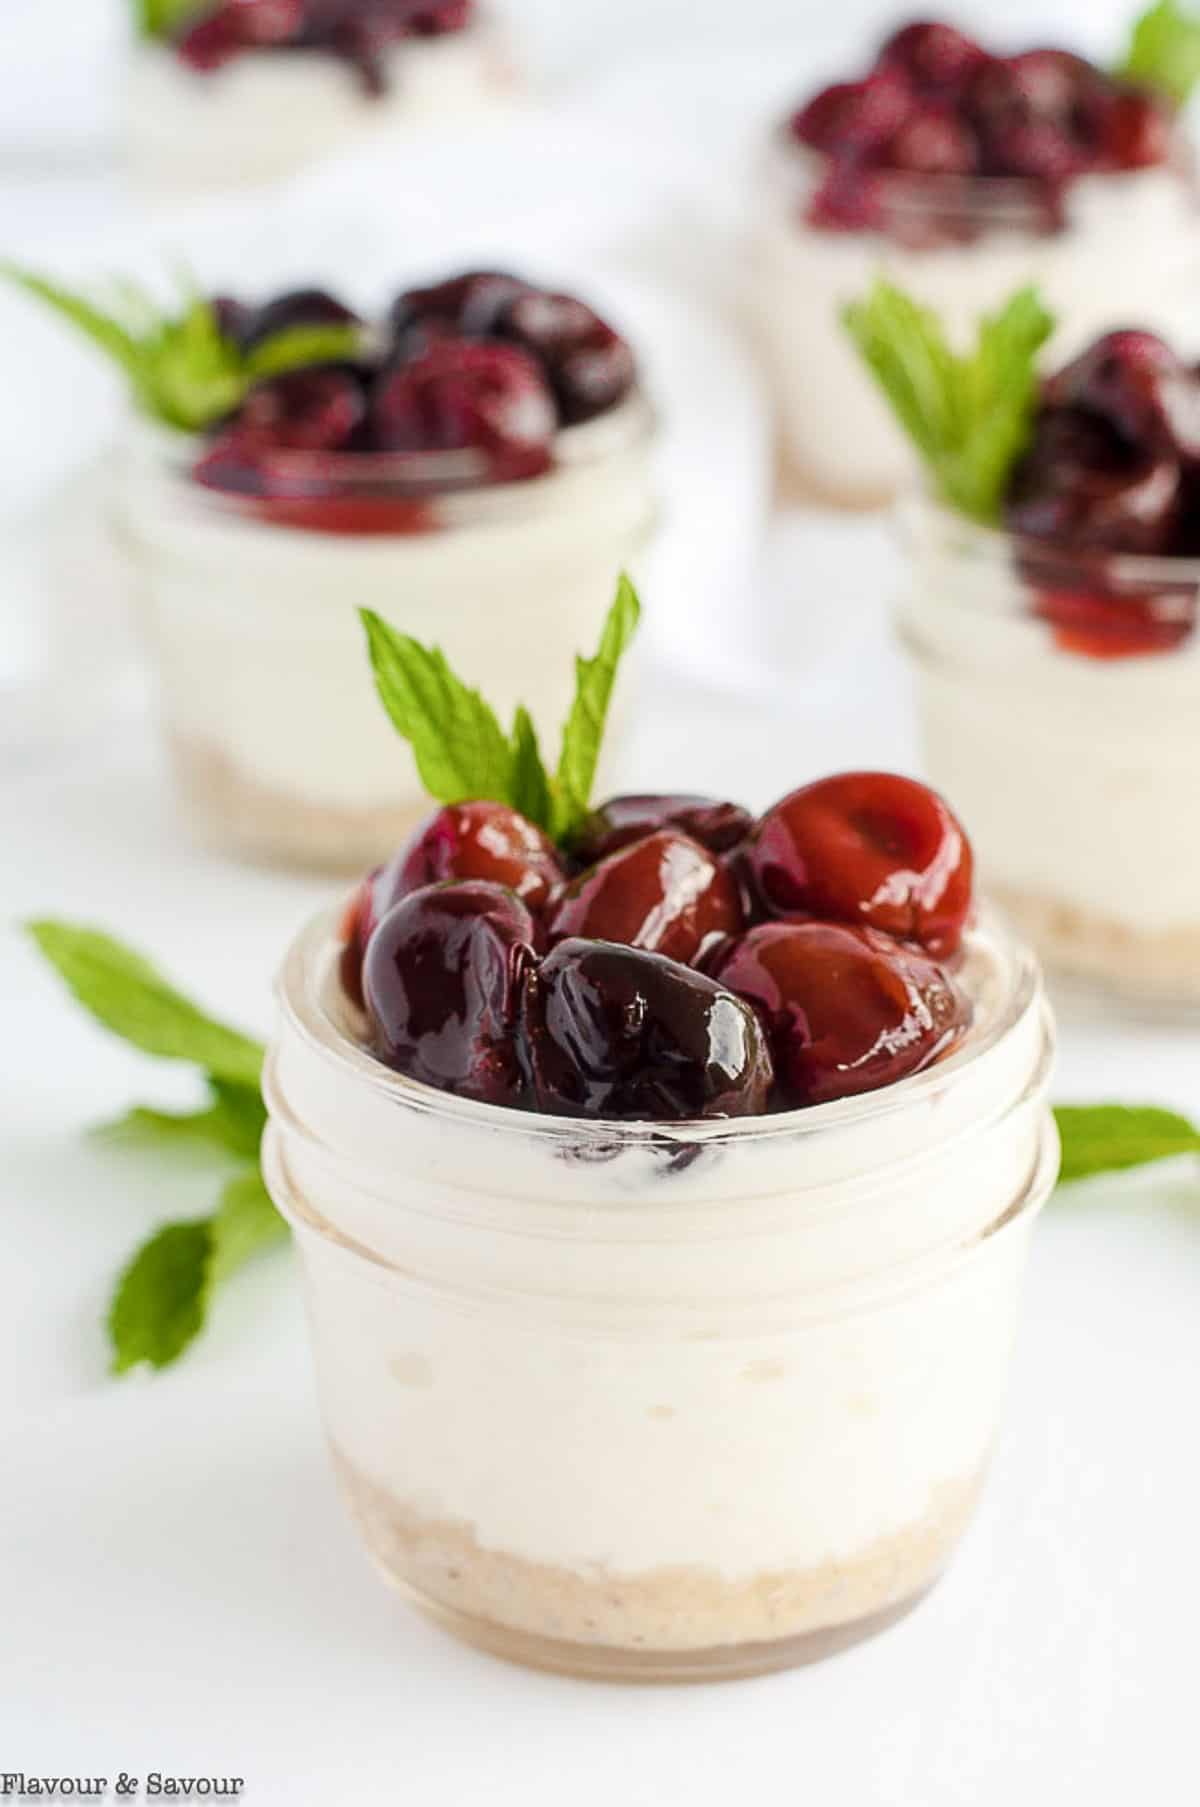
(969, 415)
(127, 995)
(231, 1125)
(1164, 51)
(583, 730)
(180, 368)
(459, 746)
(1110, 1138)
(162, 1298)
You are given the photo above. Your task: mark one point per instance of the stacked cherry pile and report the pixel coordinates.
(359, 32)
(680, 961)
(484, 364)
(936, 104)
(1113, 467)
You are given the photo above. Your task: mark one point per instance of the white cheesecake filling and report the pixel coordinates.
(588, 1352)
(254, 632)
(1078, 776)
(266, 112)
(1130, 243)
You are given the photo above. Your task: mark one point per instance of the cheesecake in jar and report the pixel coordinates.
(959, 174)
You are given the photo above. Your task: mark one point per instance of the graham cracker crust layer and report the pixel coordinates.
(597, 1622)
(236, 812)
(1157, 968)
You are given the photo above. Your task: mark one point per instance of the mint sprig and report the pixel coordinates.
(1111, 1138)
(969, 415)
(1164, 51)
(163, 18)
(460, 748)
(180, 368)
(161, 1299)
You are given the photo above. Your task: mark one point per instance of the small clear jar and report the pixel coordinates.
(280, 747)
(1114, 248)
(1057, 697)
(267, 113)
(651, 1401)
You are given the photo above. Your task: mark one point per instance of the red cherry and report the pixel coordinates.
(854, 117)
(846, 1010)
(935, 57)
(236, 25)
(868, 847)
(474, 841)
(1134, 381)
(357, 925)
(1079, 486)
(933, 142)
(295, 307)
(589, 366)
(442, 979)
(850, 197)
(313, 410)
(469, 305)
(666, 894)
(1136, 133)
(716, 825)
(465, 394)
(1100, 626)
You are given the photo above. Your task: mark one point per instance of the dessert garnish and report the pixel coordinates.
(906, 145)
(197, 363)
(161, 1298)
(1098, 460)
(207, 34)
(315, 419)
(656, 958)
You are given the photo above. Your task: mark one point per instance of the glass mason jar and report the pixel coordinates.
(661, 1401)
(1057, 699)
(1113, 250)
(268, 112)
(280, 745)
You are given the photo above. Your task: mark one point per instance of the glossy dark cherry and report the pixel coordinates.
(717, 825)
(470, 841)
(871, 848)
(846, 1010)
(295, 307)
(359, 919)
(588, 364)
(933, 142)
(442, 979)
(855, 117)
(666, 894)
(1135, 382)
(312, 410)
(1081, 486)
(615, 1032)
(464, 394)
(470, 305)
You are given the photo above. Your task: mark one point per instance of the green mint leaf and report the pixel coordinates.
(246, 1221)
(163, 18)
(460, 748)
(161, 1297)
(529, 785)
(297, 346)
(1107, 1138)
(1164, 51)
(125, 993)
(583, 730)
(969, 416)
(231, 1125)
(104, 329)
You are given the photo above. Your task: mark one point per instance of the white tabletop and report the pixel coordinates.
(180, 1588)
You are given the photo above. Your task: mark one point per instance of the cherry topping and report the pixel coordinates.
(469, 305)
(845, 1009)
(868, 847)
(933, 142)
(1081, 486)
(442, 979)
(359, 919)
(588, 364)
(1137, 131)
(475, 841)
(317, 410)
(855, 116)
(617, 1032)
(934, 57)
(467, 394)
(237, 25)
(1135, 382)
(296, 307)
(716, 825)
(665, 893)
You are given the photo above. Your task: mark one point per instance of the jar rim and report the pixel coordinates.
(308, 969)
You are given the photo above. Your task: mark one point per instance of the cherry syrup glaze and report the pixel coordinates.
(870, 848)
(357, 32)
(846, 1010)
(442, 984)
(665, 893)
(649, 985)
(468, 384)
(1112, 470)
(611, 1031)
(717, 825)
(937, 108)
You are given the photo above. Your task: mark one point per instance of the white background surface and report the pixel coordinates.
(178, 1587)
